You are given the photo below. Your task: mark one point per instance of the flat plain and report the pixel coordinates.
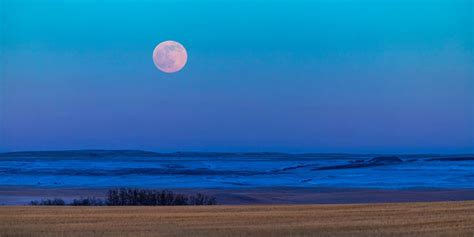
(394, 219)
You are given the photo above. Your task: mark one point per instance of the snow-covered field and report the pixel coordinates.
(98, 169)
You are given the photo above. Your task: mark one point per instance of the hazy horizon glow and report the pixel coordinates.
(291, 76)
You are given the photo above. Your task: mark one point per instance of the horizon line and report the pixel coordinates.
(235, 152)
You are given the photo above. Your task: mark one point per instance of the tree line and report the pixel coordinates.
(134, 197)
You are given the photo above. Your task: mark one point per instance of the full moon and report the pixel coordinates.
(170, 56)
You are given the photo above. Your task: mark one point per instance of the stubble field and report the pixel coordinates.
(396, 219)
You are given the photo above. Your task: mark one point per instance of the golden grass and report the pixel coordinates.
(398, 219)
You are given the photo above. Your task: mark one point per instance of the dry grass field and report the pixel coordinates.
(398, 219)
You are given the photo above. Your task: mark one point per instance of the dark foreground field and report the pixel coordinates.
(396, 219)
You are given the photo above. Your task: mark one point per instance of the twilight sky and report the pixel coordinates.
(288, 75)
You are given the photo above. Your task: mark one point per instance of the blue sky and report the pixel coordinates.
(297, 76)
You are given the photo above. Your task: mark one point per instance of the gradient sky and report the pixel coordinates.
(294, 76)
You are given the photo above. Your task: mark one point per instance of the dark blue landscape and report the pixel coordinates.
(56, 171)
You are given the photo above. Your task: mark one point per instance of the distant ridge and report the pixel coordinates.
(142, 153)
(134, 153)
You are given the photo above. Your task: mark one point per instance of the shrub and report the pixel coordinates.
(49, 202)
(134, 197)
(88, 201)
(152, 197)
